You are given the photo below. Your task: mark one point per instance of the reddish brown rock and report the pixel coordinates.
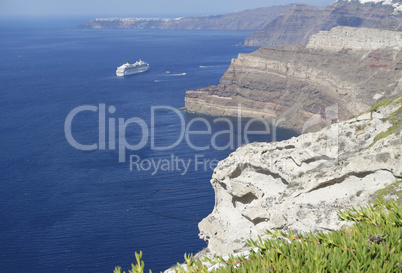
(294, 83)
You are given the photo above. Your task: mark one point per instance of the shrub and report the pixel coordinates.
(137, 268)
(372, 244)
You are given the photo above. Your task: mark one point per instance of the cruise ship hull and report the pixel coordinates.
(130, 69)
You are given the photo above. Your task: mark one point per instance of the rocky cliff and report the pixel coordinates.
(245, 20)
(296, 26)
(301, 183)
(295, 83)
(343, 38)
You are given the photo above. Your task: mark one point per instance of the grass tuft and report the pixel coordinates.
(372, 244)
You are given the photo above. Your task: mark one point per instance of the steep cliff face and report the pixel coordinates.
(341, 38)
(296, 26)
(292, 28)
(245, 20)
(299, 184)
(295, 83)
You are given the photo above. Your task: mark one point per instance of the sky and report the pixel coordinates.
(137, 7)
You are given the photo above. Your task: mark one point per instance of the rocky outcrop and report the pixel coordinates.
(296, 26)
(301, 183)
(344, 38)
(292, 84)
(245, 20)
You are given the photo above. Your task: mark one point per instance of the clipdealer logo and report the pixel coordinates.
(112, 133)
(112, 136)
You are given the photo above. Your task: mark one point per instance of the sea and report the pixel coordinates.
(95, 167)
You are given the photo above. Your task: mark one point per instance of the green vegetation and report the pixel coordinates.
(398, 101)
(386, 133)
(372, 244)
(385, 102)
(393, 189)
(137, 268)
(395, 118)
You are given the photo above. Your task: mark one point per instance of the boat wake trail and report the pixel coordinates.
(179, 74)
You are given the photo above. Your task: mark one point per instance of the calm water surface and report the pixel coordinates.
(68, 210)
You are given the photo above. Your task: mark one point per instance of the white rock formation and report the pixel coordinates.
(395, 3)
(210, 266)
(301, 183)
(341, 37)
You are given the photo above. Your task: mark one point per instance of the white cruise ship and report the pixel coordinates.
(128, 69)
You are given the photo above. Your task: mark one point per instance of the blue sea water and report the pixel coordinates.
(67, 210)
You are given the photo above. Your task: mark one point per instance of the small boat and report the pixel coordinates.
(135, 68)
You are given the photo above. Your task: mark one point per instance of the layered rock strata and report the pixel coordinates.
(293, 84)
(296, 26)
(344, 38)
(301, 183)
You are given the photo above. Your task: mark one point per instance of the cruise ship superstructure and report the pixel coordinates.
(135, 68)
